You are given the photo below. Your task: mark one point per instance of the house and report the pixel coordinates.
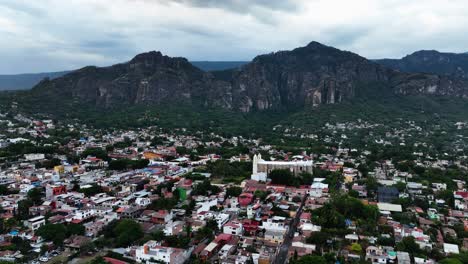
(221, 219)
(250, 226)
(353, 238)
(425, 223)
(361, 189)
(233, 227)
(161, 217)
(34, 156)
(54, 190)
(301, 248)
(129, 212)
(318, 188)
(414, 187)
(245, 199)
(451, 249)
(387, 194)
(275, 223)
(275, 235)
(388, 207)
(141, 201)
(76, 242)
(403, 257)
(173, 228)
(36, 222)
(226, 250)
(152, 252)
(375, 255)
(209, 250)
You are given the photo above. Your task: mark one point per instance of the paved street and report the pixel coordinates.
(282, 256)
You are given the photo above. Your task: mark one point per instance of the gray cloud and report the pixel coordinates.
(243, 6)
(21, 8)
(50, 35)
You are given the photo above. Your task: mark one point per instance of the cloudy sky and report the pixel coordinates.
(54, 35)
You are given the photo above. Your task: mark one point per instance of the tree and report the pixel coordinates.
(386, 241)
(127, 231)
(93, 190)
(353, 193)
(409, 245)
(124, 164)
(203, 233)
(306, 178)
(98, 260)
(95, 152)
(233, 191)
(281, 176)
(10, 223)
(21, 244)
(310, 259)
(158, 235)
(450, 261)
(212, 224)
(318, 238)
(35, 196)
(371, 184)
(53, 232)
(23, 209)
(355, 247)
(75, 229)
(163, 203)
(4, 190)
(261, 194)
(205, 188)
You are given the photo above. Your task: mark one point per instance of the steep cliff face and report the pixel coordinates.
(311, 75)
(431, 61)
(429, 84)
(308, 76)
(147, 78)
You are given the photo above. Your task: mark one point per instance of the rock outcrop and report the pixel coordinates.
(431, 61)
(308, 76)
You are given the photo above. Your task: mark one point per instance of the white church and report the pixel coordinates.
(261, 168)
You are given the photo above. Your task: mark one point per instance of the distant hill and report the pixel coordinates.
(218, 65)
(27, 80)
(285, 80)
(431, 61)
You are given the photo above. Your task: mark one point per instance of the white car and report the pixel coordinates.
(44, 259)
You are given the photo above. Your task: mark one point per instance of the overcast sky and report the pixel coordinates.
(54, 35)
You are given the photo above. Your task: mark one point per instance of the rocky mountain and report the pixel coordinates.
(308, 76)
(26, 81)
(147, 78)
(431, 61)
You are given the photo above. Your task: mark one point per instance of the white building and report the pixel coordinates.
(152, 252)
(34, 156)
(451, 249)
(233, 228)
(84, 214)
(36, 222)
(142, 201)
(275, 223)
(261, 168)
(206, 205)
(318, 187)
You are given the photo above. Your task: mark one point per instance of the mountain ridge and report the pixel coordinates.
(25, 81)
(312, 75)
(431, 61)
